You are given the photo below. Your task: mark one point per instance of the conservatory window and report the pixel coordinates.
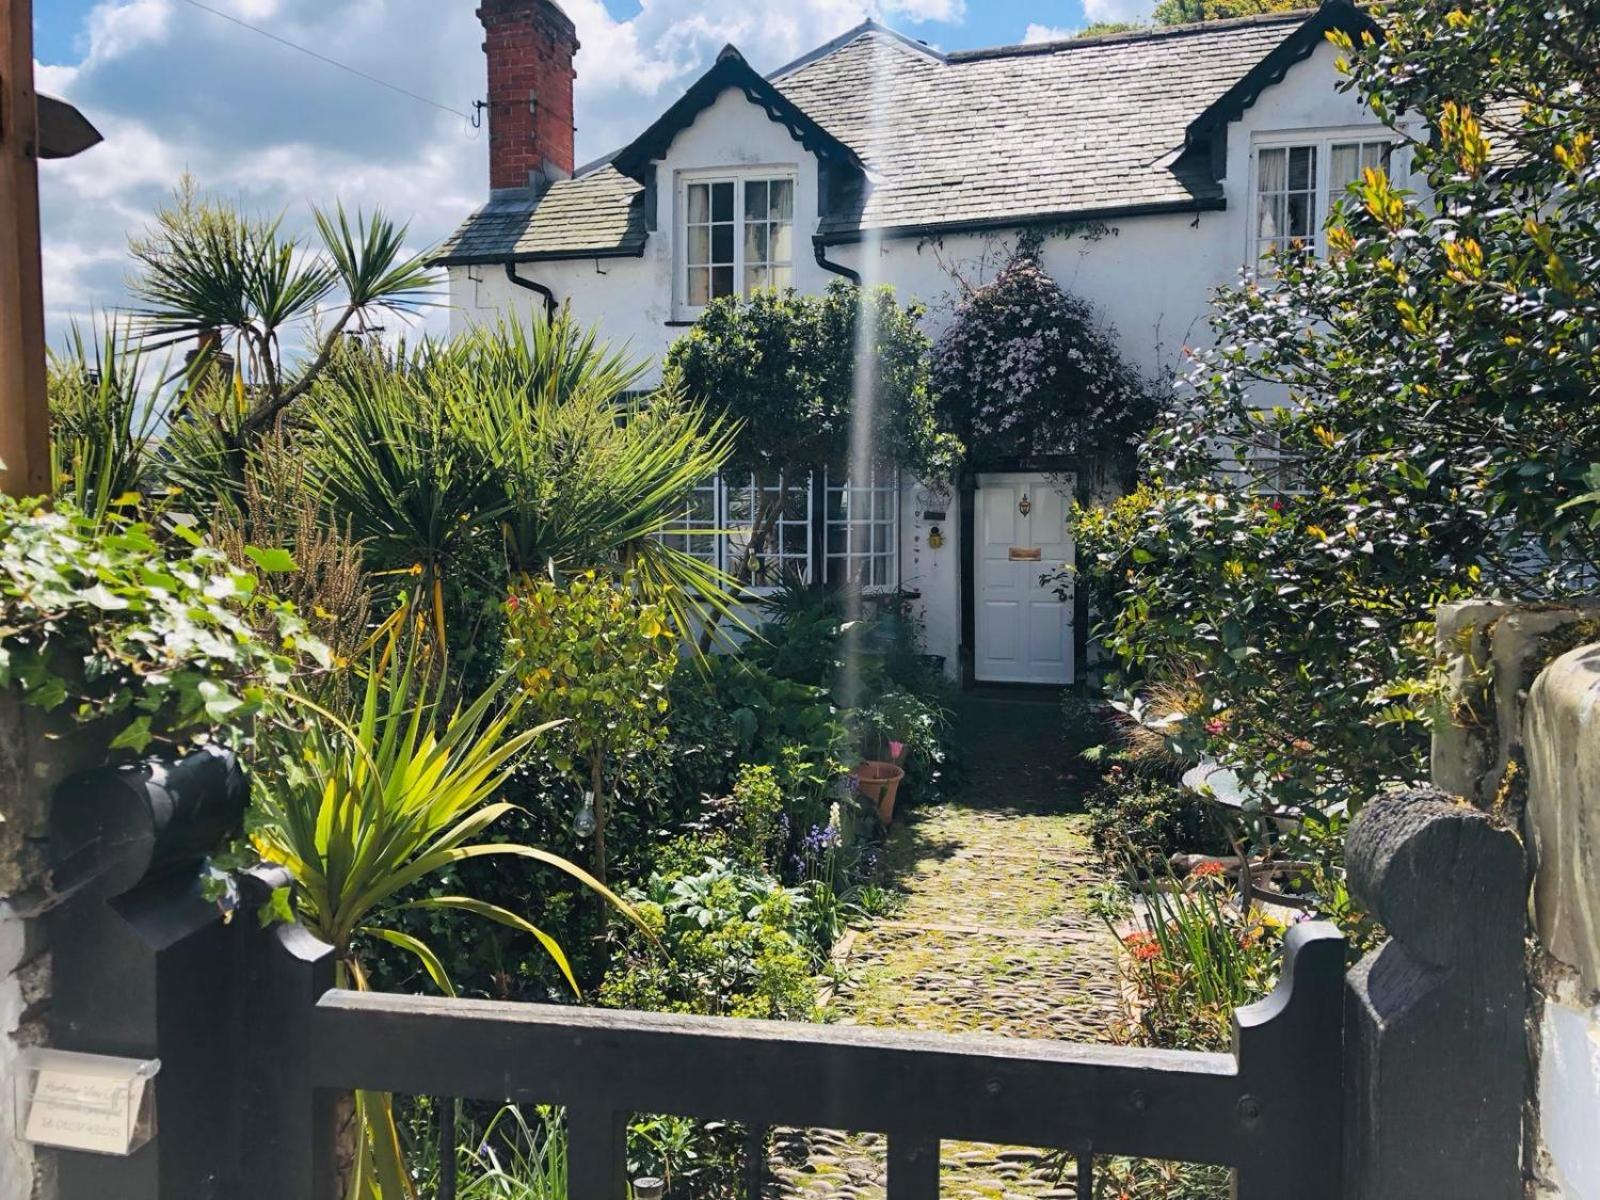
(738, 237)
(1298, 183)
(695, 532)
(861, 527)
(780, 506)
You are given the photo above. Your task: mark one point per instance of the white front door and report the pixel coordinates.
(1023, 628)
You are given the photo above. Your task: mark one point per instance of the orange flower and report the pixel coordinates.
(1208, 870)
(1142, 945)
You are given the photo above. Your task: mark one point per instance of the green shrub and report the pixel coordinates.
(733, 942)
(1136, 818)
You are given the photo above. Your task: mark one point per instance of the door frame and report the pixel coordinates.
(967, 506)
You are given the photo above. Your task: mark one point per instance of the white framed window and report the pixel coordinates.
(764, 528)
(1297, 179)
(862, 525)
(696, 530)
(767, 524)
(737, 235)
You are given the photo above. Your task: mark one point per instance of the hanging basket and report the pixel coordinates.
(880, 782)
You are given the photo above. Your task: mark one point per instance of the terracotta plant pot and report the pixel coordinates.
(879, 783)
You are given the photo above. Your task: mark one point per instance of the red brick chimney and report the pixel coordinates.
(529, 45)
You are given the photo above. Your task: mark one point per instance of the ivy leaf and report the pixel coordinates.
(135, 736)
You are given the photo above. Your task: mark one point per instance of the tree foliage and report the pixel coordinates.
(1436, 380)
(789, 369)
(593, 656)
(208, 273)
(1188, 12)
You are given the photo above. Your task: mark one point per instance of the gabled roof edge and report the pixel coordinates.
(730, 71)
(850, 35)
(1294, 49)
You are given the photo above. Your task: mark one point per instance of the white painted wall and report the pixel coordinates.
(1151, 277)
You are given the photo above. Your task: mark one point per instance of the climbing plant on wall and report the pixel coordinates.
(1026, 368)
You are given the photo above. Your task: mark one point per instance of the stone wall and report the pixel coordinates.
(35, 754)
(1525, 741)
(1562, 823)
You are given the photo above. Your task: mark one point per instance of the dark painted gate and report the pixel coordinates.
(1402, 1080)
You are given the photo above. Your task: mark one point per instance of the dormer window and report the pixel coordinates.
(738, 235)
(1298, 181)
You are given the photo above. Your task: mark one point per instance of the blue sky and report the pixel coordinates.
(178, 89)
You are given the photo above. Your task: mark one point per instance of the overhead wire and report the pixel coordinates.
(332, 62)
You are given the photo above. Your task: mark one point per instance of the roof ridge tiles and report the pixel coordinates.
(1153, 33)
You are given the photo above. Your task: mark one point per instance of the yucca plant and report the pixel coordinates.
(362, 810)
(528, 441)
(104, 415)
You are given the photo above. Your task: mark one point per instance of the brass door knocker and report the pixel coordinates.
(1026, 506)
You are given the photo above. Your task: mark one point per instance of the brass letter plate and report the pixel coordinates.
(1026, 554)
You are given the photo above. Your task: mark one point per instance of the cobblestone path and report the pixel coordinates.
(996, 935)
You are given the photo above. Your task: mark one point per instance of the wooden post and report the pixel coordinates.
(1435, 1058)
(24, 413)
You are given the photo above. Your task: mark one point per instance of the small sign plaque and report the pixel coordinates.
(87, 1102)
(1027, 554)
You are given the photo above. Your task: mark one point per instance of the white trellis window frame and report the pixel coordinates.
(862, 530)
(781, 505)
(1296, 179)
(736, 235)
(695, 531)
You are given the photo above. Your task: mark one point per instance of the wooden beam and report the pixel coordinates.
(1007, 1091)
(24, 412)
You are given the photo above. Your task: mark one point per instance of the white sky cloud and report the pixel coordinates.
(1118, 10)
(177, 89)
(1045, 33)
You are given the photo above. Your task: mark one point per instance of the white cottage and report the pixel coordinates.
(1155, 164)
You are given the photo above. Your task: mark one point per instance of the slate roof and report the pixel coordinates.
(1093, 127)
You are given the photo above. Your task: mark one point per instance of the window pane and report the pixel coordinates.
(699, 202)
(755, 244)
(1272, 171)
(722, 243)
(699, 249)
(782, 200)
(782, 243)
(756, 278)
(1302, 168)
(782, 277)
(699, 286)
(722, 202)
(1299, 223)
(796, 539)
(1343, 167)
(721, 281)
(755, 201)
(1376, 155)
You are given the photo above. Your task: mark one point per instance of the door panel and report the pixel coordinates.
(1023, 630)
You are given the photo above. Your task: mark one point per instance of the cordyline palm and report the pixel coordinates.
(211, 274)
(364, 810)
(103, 419)
(519, 433)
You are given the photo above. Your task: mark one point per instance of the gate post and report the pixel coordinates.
(139, 960)
(1435, 1050)
(286, 1126)
(1289, 1047)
